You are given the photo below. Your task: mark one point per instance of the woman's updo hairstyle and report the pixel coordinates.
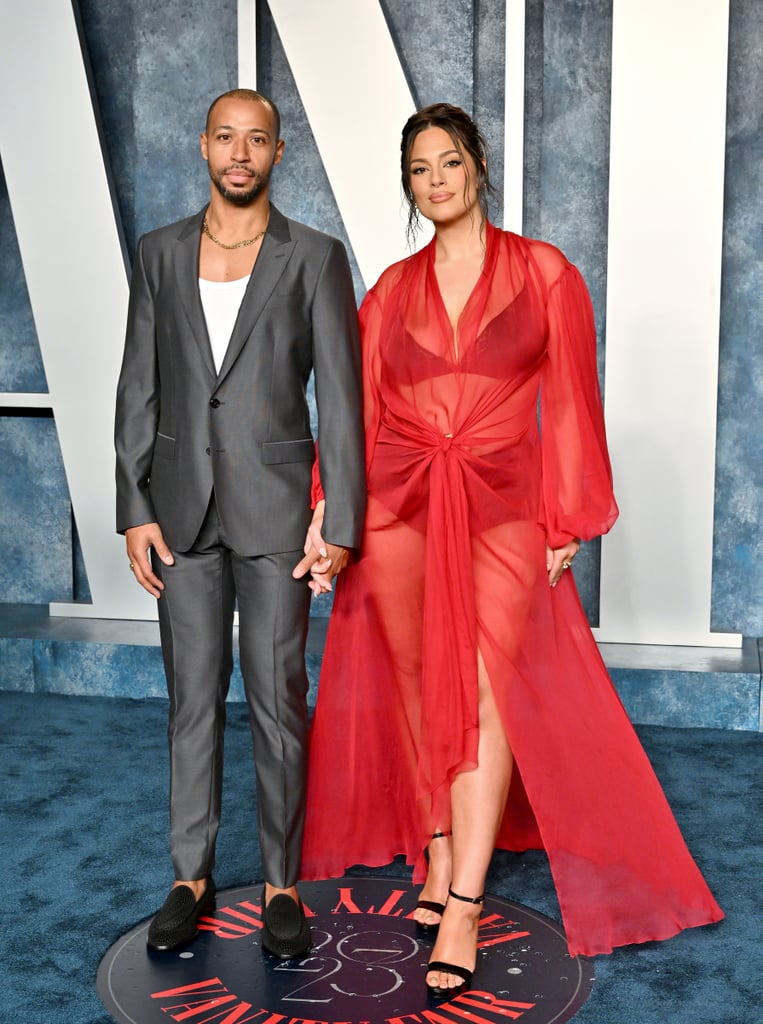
(467, 138)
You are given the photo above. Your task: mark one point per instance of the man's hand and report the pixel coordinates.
(323, 561)
(326, 569)
(139, 540)
(560, 559)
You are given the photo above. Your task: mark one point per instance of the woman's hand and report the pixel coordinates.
(323, 572)
(315, 548)
(322, 560)
(560, 559)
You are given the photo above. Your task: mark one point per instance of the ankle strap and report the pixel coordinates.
(466, 899)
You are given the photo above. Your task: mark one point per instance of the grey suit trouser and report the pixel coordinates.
(196, 626)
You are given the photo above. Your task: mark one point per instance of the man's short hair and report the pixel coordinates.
(255, 97)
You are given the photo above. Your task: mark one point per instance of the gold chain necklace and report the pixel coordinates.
(236, 245)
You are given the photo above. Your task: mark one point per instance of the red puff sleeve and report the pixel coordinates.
(370, 316)
(316, 487)
(577, 499)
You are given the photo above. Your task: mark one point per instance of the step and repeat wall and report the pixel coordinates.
(627, 134)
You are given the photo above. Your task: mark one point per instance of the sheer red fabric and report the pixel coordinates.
(463, 494)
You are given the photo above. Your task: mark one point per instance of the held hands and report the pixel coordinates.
(560, 559)
(139, 539)
(322, 560)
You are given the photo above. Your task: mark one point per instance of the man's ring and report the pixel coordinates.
(566, 565)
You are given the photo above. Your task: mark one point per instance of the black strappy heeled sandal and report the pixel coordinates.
(440, 965)
(433, 905)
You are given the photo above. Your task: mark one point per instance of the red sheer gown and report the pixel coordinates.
(462, 497)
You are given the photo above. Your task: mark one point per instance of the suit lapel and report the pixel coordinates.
(187, 280)
(275, 252)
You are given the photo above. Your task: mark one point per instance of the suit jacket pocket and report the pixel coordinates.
(164, 446)
(274, 452)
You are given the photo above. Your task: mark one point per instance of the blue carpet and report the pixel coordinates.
(84, 857)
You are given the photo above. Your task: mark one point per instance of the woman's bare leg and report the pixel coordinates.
(478, 802)
(439, 875)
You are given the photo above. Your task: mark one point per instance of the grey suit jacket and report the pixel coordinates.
(182, 429)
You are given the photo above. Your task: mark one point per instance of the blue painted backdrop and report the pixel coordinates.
(155, 69)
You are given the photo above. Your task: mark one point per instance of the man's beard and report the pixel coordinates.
(241, 197)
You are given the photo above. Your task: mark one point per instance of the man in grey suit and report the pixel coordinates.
(230, 311)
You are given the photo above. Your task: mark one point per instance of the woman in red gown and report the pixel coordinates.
(463, 703)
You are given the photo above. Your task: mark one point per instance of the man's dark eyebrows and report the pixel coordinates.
(231, 128)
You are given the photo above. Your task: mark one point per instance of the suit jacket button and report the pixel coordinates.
(214, 402)
(208, 451)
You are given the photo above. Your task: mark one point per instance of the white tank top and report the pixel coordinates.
(220, 301)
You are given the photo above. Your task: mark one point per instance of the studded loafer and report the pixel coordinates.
(285, 931)
(177, 919)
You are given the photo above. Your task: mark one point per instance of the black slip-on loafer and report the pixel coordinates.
(177, 919)
(285, 931)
